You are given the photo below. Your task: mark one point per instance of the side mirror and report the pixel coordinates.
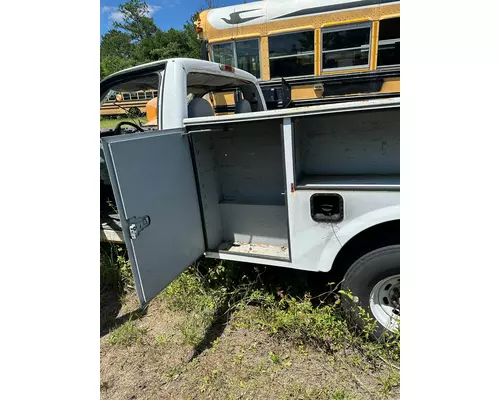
(119, 98)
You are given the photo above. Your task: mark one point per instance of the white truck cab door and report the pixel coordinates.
(155, 190)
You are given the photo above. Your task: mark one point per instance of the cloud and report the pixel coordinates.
(107, 9)
(116, 16)
(171, 3)
(152, 9)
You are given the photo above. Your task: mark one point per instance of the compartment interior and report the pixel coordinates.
(351, 149)
(242, 186)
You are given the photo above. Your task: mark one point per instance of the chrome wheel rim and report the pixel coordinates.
(385, 303)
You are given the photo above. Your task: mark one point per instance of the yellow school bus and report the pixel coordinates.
(324, 49)
(128, 103)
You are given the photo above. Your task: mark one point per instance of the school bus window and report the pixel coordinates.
(126, 96)
(155, 93)
(141, 95)
(243, 54)
(291, 54)
(223, 53)
(134, 96)
(247, 56)
(149, 95)
(346, 47)
(388, 43)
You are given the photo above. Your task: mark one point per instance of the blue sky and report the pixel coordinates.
(166, 13)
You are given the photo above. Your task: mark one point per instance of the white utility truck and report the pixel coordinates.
(310, 188)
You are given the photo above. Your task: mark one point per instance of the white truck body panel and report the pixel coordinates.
(296, 112)
(260, 184)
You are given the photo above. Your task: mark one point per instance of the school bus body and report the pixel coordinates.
(264, 20)
(129, 101)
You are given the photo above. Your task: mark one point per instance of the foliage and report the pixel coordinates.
(255, 297)
(112, 64)
(115, 270)
(299, 392)
(126, 334)
(111, 122)
(137, 40)
(118, 44)
(136, 21)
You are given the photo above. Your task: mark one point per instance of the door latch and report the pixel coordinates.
(137, 225)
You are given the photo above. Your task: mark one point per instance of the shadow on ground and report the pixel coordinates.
(274, 280)
(110, 311)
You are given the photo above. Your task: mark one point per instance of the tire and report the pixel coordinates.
(134, 112)
(373, 280)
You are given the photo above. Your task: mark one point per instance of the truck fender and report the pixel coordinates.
(366, 221)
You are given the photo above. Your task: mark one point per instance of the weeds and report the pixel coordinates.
(214, 289)
(126, 334)
(275, 358)
(173, 374)
(387, 385)
(211, 290)
(208, 292)
(299, 392)
(162, 339)
(115, 272)
(194, 328)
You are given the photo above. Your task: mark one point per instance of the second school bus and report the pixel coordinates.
(325, 49)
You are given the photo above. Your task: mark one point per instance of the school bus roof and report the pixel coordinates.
(259, 12)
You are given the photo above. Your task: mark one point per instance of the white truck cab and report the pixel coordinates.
(311, 188)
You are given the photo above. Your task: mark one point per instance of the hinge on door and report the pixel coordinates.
(137, 225)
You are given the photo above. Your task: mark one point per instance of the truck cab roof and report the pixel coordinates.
(190, 65)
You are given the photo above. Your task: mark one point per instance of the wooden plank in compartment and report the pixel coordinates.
(255, 249)
(111, 229)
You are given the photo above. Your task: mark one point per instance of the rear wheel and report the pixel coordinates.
(374, 281)
(135, 112)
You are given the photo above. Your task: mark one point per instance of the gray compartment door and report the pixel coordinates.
(153, 181)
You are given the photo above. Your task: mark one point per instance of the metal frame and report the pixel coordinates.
(287, 145)
(235, 55)
(308, 53)
(159, 95)
(346, 27)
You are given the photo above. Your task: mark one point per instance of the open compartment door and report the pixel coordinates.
(155, 190)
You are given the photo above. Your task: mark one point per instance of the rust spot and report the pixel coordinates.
(292, 188)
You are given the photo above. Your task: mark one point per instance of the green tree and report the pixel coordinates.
(138, 40)
(112, 64)
(117, 43)
(191, 38)
(136, 20)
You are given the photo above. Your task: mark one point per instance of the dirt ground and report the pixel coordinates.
(234, 362)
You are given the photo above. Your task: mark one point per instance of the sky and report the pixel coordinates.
(166, 13)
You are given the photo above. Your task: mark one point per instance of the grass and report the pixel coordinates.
(127, 334)
(213, 291)
(110, 122)
(115, 272)
(275, 358)
(388, 384)
(304, 393)
(230, 330)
